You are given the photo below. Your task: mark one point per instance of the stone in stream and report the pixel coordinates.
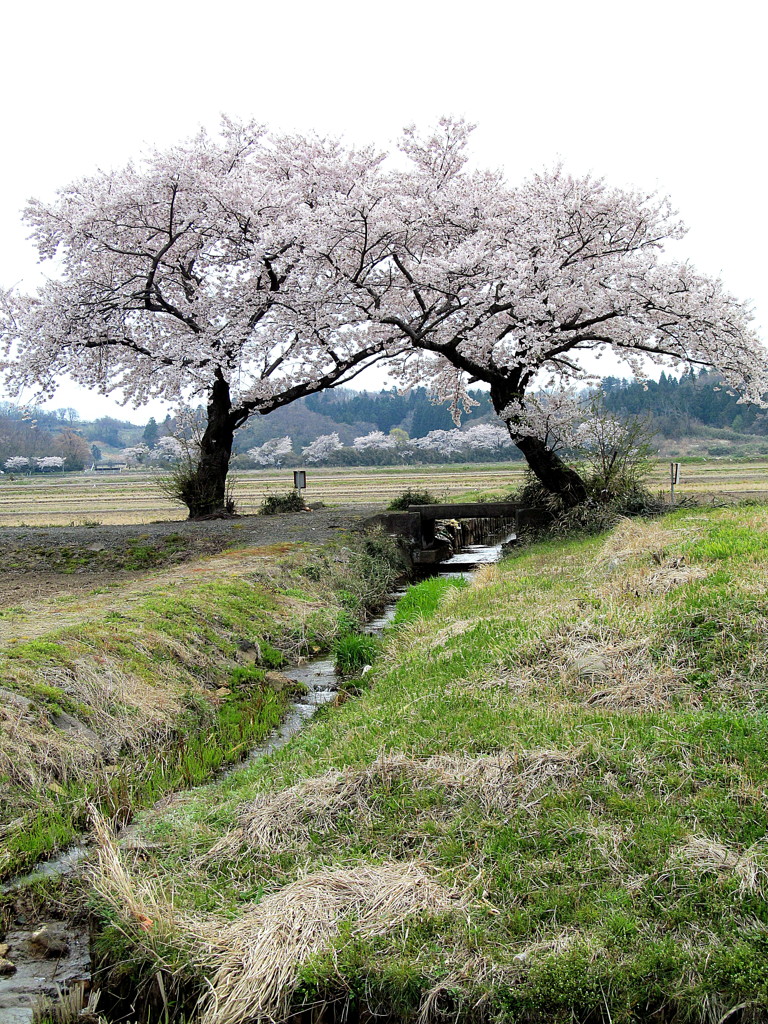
(52, 939)
(50, 957)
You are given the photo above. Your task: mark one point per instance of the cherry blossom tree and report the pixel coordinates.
(168, 449)
(136, 455)
(514, 285)
(272, 452)
(446, 442)
(203, 271)
(16, 463)
(256, 269)
(490, 437)
(50, 462)
(322, 448)
(377, 440)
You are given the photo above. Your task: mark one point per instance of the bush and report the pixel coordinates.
(595, 515)
(411, 497)
(274, 504)
(353, 651)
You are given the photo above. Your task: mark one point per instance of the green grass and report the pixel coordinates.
(353, 651)
(422, 601)
(629, 884)
(138, 689)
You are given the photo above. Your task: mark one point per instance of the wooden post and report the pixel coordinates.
(674, 478)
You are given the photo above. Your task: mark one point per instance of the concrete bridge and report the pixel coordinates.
(477, 523)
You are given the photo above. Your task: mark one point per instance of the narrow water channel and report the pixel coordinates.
(50, 957)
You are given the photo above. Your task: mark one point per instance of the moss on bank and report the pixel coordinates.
(573, 746)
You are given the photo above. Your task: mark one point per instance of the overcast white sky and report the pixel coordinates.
(668, 95)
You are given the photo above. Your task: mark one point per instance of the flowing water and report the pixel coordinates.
(44, 966)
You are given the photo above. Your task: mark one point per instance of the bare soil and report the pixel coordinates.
(44, 562)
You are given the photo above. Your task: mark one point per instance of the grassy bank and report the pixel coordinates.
(160, 691)
(549, 802)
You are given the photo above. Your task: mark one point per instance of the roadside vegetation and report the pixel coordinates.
(546, 803)
(157, 693)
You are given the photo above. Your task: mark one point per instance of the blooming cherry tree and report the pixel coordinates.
(135, 455)
(490, 437)
(255, 269)
(168, 449)
(514, 285)
(272, 452)
(377, 440)
(50, 462)
(203, 271)
(16, 463)
(322, 448)
(446, 442)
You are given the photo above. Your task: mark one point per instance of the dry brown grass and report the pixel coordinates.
(498, 782)
(123, 712)
(634, 538)
(600, 662)
(259, 956)
(704, 855)
(253, 963)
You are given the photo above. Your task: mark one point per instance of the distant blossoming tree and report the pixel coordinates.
(377, 440)
(16, 463)
(50, 462)
(322, 448)
(272, 452)
(445, 442)
(136, 455)
(490, 437)
(169, 449)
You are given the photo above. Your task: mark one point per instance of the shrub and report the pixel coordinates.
(353, 651)
(411, 497)
(595, 515)
(274, 504)
(183, 483)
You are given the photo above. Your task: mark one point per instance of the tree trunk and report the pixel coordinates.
(546, 465)
(206, 488)
(551, 471)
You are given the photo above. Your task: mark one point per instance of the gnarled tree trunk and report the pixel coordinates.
(550, 469)
(545, 464)
(205, 491)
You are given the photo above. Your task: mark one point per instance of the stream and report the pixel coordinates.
(46, 958)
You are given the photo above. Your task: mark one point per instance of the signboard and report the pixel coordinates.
(299, 479)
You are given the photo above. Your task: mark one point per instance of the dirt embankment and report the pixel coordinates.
(40, 562)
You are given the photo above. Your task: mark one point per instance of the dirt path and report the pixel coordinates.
(36, 599)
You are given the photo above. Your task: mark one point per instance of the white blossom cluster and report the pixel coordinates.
(272, 452)
(50, 462)
(135, 455)
(168, 449)
(322, 448)
(377, 440)
(44, 464)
